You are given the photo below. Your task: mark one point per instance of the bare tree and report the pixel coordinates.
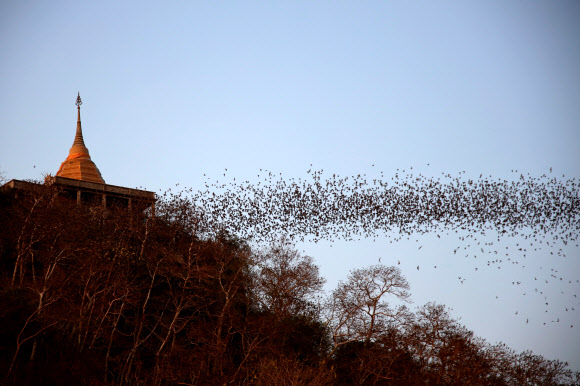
(527, 368)
(286, 282)
(446, 350)
(358, 309)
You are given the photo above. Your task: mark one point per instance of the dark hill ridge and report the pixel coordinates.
(94, 295)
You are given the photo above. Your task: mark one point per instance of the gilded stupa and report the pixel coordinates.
(78, 165)
(78, 178)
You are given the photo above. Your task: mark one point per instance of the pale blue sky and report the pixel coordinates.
(172, 91)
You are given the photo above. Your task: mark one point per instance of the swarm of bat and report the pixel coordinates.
(347, 207)
(540, 211)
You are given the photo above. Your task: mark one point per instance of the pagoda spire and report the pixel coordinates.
(79, 143)
(78, 165)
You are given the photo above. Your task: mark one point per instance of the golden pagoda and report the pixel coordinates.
(78, 165)
(79, 178)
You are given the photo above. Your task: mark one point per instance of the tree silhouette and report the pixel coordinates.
(93, 295)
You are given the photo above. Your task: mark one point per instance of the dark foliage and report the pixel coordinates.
(109, 296)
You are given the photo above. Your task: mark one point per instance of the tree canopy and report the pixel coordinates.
(109, 296)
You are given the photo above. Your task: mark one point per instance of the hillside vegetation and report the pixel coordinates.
(116, 296)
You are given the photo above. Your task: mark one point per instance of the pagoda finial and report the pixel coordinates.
(79, 143)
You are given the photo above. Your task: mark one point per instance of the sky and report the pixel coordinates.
(175, 91)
